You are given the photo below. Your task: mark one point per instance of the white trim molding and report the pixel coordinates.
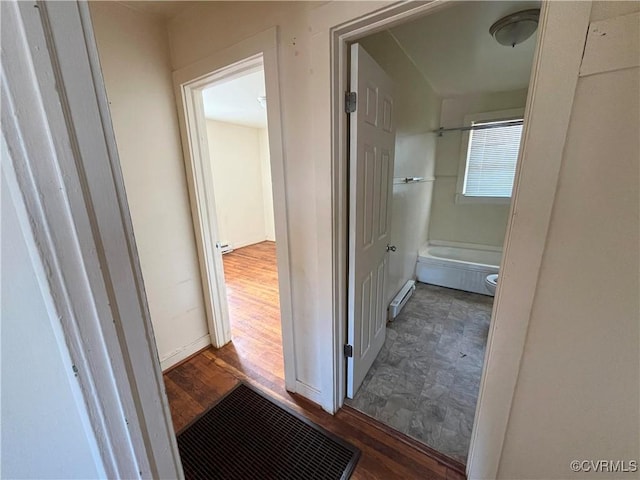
(56, 124)
(259, 51)
(337, 25)
(185, 352)
(550, 99)
(561, 38)
(16, 199)
(309, 392)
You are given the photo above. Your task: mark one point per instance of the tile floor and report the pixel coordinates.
(425, 380)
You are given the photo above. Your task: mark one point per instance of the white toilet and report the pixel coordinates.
(491, 282)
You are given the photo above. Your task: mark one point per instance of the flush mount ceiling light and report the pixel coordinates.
(515, 28)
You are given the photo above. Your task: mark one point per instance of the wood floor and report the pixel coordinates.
(255, 356)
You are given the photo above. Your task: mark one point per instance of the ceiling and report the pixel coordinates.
(455, 52)
(164, 8)
(236, 101)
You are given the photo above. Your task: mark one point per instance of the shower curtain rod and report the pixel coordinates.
(482, 126)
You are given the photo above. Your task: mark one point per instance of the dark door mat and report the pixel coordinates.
(247, 436)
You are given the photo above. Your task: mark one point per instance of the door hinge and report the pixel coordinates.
(350, 102)
(348, 351)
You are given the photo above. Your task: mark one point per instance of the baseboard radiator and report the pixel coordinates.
(225, 247)
(401, 299)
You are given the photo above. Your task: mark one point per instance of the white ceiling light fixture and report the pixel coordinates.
(262, 100)
(516, 27)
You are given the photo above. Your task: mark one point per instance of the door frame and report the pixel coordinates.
(78, 176)
(67, 170)
(258, 50)
(561, 37)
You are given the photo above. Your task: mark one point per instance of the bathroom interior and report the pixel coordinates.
(465, 66)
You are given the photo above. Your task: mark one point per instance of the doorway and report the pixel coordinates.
(534, 207)
(458, 113)
(235, 111)
(226, 241)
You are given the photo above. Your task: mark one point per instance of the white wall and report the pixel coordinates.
(577, 395)
(134, 55)
(303, 55)
(210, 27)
(267, 184)
(417, 114)
(305, 73)
(45, 427)
(242, 183)
(483, 224)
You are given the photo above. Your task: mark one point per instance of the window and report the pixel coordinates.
(489, 157)
(491, 160)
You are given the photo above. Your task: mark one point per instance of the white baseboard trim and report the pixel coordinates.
(309, 392)
(184, 352)
(473, 246)
(247, 243)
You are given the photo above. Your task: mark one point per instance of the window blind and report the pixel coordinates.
(491, 161)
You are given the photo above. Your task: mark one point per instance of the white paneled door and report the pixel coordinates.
(372, 141)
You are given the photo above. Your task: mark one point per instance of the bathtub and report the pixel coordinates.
(459, 266)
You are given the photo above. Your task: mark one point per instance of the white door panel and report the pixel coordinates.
(372, 142)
